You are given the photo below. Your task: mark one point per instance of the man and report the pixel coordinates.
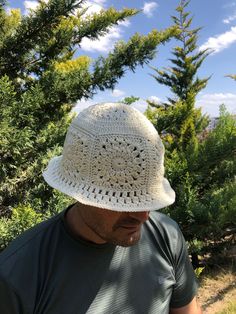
(111, 252)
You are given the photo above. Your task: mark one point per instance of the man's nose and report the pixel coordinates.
(140, 216)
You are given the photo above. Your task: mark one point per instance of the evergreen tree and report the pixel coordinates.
(212, 172)
(201, 169)
(178, 116)
(204, 182)
(232, 76)
(129, 100)
(177, 120)
(181, 77)
(42, 75)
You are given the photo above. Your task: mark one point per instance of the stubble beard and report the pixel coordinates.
(119, 234)
(120, 240)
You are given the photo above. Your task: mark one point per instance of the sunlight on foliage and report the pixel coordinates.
(198, 271)
(69, 66)
(23, 217)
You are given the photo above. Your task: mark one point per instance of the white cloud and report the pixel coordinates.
(103, 43)
(117, 93)
(230, 19)
(210, 103)
(125, 23)
(81, 105)
(229, 5)
(30, 5)
(149, 7)
(92, 7)
(154, 99)
(99, 1)
(140, 105)
(8, 10)
(220, 42)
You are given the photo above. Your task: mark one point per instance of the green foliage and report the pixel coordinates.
(181, 77)
(28, 137)
(152, 114)
(178, 117)
(221, 204)
(137, 51)
(23, 217)
(41, 80)
(195, 246)
(129, 100)
(205, 184)
(216, 155)
(198, 271)
(232, 76)
(201, 166)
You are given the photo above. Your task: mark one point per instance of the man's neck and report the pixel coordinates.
(78, 226)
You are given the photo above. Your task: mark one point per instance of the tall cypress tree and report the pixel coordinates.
(178, 116)
(181, 77)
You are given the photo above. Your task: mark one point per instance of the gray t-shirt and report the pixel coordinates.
(47, 271)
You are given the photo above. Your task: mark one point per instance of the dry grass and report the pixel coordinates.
(230, 308)
(218, 284)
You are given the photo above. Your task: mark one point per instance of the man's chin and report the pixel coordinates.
(132, 239)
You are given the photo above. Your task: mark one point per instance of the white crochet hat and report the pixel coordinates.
(112, 158)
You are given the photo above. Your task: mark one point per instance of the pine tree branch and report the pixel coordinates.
(33, 27)
(88, 27)
(137, 51)
(99, 24)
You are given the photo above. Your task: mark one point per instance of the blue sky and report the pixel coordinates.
(218, 19)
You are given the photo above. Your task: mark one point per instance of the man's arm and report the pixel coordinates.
(191, 308)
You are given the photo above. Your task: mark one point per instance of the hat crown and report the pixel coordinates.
(110, 118)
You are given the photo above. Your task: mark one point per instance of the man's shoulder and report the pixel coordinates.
(163, 221)
(29, 240)
(164, 229)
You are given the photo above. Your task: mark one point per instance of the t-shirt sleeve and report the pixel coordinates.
(186, 284)
(9, 301)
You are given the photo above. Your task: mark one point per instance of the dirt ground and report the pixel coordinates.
(218, 284)
(215, 293)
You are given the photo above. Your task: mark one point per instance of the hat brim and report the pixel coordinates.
(163, 195)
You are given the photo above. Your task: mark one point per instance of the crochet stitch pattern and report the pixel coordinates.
(112, 158)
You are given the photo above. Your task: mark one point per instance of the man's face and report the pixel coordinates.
(119, 228)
